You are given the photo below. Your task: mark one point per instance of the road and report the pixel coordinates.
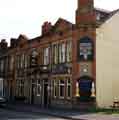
(6, 114)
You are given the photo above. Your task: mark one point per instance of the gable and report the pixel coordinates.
(62, 25)
(22, 40)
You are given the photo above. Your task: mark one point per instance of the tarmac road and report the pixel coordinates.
(6, 114)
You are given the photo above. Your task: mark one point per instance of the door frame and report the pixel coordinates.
(46, 83)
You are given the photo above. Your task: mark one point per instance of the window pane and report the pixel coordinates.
(55, 88)
(63, 52)
(38, 81)
(38, 89)
(69, 91)
(69, 51)
(46, 56)
(60, 56)
(61, 88)
(68, 88)
(55, 53)
(61, 91)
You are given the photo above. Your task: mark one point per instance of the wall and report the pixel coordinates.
(107, 65)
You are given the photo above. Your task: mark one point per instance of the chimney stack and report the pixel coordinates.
(3, 44)
(13, 42)
(46, 27)
(85, 13)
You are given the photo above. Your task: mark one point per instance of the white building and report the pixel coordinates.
(107, 62)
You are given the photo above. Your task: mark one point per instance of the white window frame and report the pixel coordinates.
(26, 61)
(61, 84)
(46, 56)
(54, 88)
(62, 51)
(55, 53)
(20, 85)
(69, 84)
(38, 85)
(69, 51)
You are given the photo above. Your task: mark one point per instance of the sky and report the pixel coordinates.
(27, 16)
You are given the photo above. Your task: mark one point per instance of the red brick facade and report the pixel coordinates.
(47, 69)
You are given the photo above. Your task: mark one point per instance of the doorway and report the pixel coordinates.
(46, 94)
(33, 93)
(85, 86)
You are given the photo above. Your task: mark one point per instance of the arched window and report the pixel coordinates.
(85, 49)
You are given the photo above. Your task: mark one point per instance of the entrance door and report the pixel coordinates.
(46, 95)
(33, 93)
(10, 91)
(85, 86)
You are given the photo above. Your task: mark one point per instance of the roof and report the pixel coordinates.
(57, 27)
(112, 13)
(102, 10)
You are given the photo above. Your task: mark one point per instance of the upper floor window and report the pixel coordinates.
(22, 60)
(18, 61)
(62, 52)
(69, 51)
(11, 62)
(46, 56)
(26, 61)
(1, 65)
(55, 53)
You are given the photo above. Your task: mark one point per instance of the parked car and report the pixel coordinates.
(3, 100)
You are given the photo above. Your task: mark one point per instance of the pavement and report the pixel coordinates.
(6, 114)
(65, 114)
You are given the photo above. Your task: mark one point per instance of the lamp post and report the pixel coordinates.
(77, 90)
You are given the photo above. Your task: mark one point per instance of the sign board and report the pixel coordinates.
(85, 49)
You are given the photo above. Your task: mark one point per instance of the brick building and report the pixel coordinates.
(3, 65)
(57, 68)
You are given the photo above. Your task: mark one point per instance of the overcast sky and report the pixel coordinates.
(27, 16)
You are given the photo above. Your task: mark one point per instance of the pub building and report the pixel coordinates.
(61, 62)
(57, 69)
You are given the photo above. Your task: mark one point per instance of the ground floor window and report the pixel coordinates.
(68, 88)
(38, 88)
(61, 88)
(55, 88)
(20, 88)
